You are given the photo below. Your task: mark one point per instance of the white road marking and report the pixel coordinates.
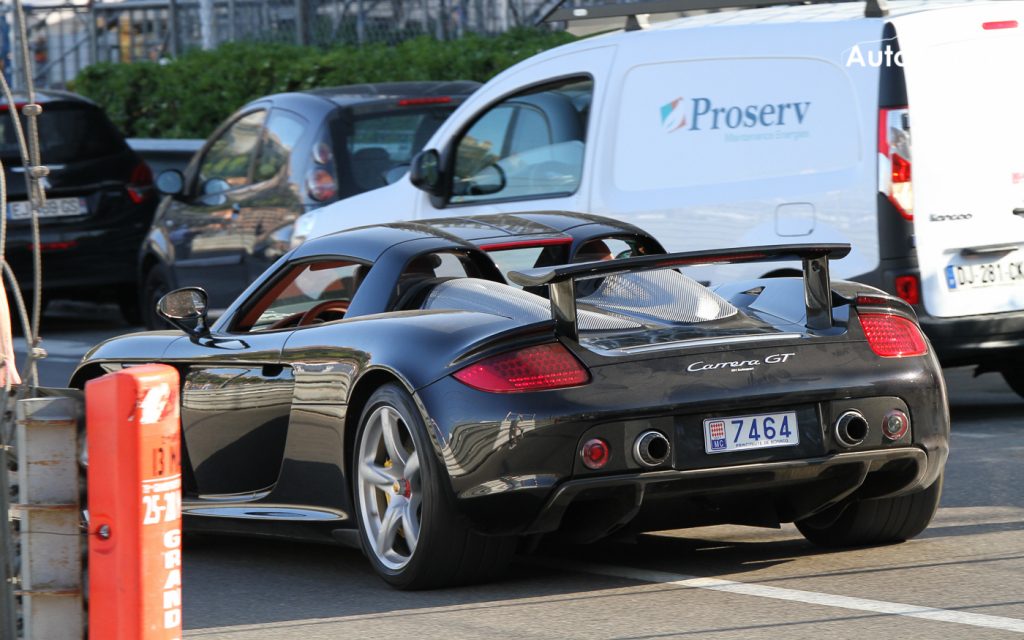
(795, 595)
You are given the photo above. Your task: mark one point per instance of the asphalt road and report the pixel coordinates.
(962, 578)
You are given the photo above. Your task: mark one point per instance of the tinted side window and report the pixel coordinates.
(528, 146)
(230, 155)
(284, 129)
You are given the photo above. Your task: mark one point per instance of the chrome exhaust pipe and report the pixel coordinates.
(851, 429)
(651, 449)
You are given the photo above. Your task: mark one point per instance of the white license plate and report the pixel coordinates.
(742, 433)
(54, 208)
(986, 274)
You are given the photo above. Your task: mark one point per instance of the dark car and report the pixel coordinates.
(230, 215)
(385, 387)
(99, 203)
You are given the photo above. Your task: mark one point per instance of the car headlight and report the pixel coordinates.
(302, 228)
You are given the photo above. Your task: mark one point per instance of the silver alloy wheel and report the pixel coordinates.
(389, 488)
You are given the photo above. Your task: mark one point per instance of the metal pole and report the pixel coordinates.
(300, 22)
(206, 23)
(8, 610)
(360, 22)
(232, 17)
(172, 26)
(18, 59)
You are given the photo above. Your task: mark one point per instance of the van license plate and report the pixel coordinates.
(986, 274)
(53, 208)
(741, 433)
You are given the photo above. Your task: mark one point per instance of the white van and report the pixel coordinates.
(776, 125)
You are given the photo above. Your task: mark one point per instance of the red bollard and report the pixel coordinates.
(132, 425)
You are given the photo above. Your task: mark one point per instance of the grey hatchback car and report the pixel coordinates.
(229, 215)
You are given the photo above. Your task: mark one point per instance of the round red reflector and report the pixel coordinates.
(595, 453)
(895, 424)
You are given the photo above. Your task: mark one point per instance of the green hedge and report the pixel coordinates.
(189, 96)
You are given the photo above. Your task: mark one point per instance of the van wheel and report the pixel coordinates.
(1015, 379)
(409, 527)
(869, 522)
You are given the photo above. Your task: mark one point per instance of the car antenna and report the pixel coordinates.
(552, 11)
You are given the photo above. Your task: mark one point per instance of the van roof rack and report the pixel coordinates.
(554, 12)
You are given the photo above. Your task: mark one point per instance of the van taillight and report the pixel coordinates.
(140, 183)
(908, 287)
(892, 336)
(894, 159)
(547, 366)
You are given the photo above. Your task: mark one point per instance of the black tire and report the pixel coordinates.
(154, 286)
(1015, 379)
(870, 522)
(446, 551)
(129, 304)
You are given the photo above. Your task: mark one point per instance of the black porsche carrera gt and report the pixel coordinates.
(387, 387)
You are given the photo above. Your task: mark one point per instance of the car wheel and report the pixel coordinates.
(408, 525)
(154, 287)
(128, 303)
(1015, 379)
(880, 521)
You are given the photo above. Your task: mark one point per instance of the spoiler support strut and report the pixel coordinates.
(561, 279)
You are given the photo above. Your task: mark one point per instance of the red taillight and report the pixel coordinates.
(595, 453)
(908, 288)
(548, 366)
(55, 246)
(140, 183)
(892, 336)
(417, 102)
(321, 185)
(1000, 24)
(894, 159)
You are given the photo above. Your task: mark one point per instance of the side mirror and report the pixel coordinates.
(185, 309)
(425, 171)
(170, 182)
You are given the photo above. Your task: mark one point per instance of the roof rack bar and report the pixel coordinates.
(557, 13)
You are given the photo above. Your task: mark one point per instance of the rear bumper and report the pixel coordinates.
(990, 340)
(797, 488)
(82, 263)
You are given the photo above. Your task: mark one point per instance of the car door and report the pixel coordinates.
(208, 250)
(235, 402)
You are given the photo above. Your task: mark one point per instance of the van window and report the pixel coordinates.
(528, 146)
(708, 122)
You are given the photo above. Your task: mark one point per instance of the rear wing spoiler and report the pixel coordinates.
(561, 279)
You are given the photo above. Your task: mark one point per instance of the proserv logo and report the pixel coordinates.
(700, 114)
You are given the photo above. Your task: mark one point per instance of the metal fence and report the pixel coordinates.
(64, 38)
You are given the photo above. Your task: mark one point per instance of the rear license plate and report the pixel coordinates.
(55, 208)
(742, 433)
(986, 274)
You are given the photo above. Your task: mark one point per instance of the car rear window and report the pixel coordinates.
(67, 133)
(368, 146)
